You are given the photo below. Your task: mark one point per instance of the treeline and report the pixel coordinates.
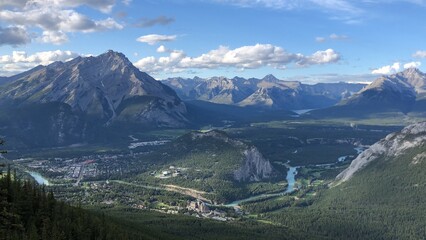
(28, 211)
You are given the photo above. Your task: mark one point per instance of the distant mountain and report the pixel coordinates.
(399, 92)
(268, 92)
(100, 91)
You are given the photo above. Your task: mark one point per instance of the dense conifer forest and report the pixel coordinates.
(28, 211)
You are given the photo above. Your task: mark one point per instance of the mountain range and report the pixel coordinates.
(78, 100)
(402, 92)
(268, 92)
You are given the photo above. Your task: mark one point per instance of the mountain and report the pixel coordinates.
(385, 93)
(402, 92)
(379, 196)
(184, 86)
(88, 92)
(268, 92)
(392, 146)
(212, 162)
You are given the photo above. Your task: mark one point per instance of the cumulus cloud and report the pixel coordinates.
(147, 22)
(64, 20)
(14, 36)
(56, 18)
(57, 37)
(389, 69)
(320, 57)
(13, 3)
(162, 49)
(420, 54)
(20, 61)
(152, 39)
(412, 65)
(102, 5)
(246, 57)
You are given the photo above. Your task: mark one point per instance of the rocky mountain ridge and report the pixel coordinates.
(85, 99)
(392, 145)
(401, 93)
(268, 92)
(97, 86)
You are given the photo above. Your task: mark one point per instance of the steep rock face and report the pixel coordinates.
(98, 86)
(392, 145)
(415, 78)
(255, 167)
(252, 167)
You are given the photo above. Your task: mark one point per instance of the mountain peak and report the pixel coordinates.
(414, 77)
(116, 57)
(270, 78)
(100, 86)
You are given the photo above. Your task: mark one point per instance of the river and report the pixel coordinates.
(291, 180)
(38, 178)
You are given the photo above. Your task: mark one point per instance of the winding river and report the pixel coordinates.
(39, 178)
(291, 180)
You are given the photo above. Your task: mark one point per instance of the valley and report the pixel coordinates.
(271, 154)
(141, 175)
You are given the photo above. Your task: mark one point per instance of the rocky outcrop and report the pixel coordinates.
(254, 168)
(392, 145)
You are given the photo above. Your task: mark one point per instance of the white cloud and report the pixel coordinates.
(126, 2)
(55, 37)
(13, 3)
(320, 57)
(152, 39)
(56, 18)
(162, 49)
(101, 5)
(20, 61)
(412, 65)
(389, 69)
(14, 36)
(420, 54)
(246, 57)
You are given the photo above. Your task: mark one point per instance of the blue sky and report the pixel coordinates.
(310, 41)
